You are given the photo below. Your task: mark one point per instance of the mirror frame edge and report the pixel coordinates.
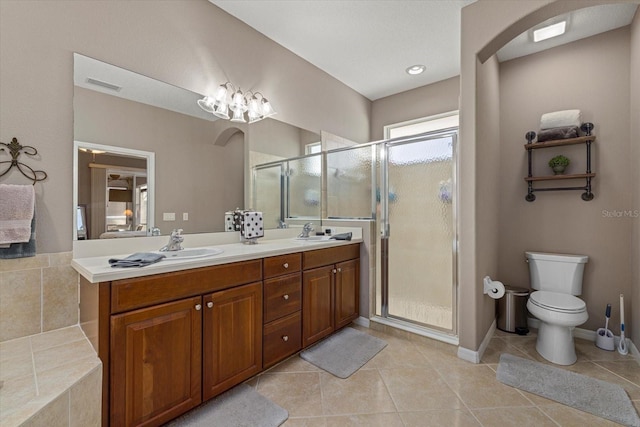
(151, 174)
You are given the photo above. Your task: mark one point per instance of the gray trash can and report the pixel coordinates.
(512, 310)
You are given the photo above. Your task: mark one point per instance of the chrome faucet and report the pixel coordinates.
(306, 229)
(282, 224)
(175, 240)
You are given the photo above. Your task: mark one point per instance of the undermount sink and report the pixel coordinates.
(314, 238)
(191, 253)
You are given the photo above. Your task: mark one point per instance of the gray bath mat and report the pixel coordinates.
(241, 406)
(588, 394)
(344, 352)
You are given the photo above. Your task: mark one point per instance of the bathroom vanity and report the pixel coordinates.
(170, 340)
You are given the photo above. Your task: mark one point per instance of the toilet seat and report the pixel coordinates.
(554, 301)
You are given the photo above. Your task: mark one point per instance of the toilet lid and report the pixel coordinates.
(558, 302)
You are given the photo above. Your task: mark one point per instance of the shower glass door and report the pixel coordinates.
(417, 231)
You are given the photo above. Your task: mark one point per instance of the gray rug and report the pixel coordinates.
(344, 352)
(241, 406)
(587, 394)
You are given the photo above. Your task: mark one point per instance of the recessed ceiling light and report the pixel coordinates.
(549, 31)
(416, 69)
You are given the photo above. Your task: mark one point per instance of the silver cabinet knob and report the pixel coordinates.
(285, 296)
(198, 307)
(339, 270)
(285, 338)
(335, 271)
(285, 265)
(209, 304)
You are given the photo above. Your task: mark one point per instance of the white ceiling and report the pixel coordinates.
(368, 44)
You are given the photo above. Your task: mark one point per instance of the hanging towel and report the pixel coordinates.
(17, 204)
(560, 119)
(139, 259)
(21, 250)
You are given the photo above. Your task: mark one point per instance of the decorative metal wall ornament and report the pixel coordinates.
(15, 149)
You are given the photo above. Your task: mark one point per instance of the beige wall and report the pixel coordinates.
(424, 101)
(486, 26)
(635, 177)
(562, 222)
(188, 43)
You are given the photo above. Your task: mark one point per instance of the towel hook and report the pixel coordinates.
(15, 149)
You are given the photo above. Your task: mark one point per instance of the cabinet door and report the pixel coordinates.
(317, 304)
(156, 363)
(232, 337)
(347, 292)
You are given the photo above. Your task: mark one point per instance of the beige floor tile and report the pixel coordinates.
(569, 417)
(294, 364)
(362, 393)
(496, 347)
(305, 422)
(439, 354)
(628, 369)
(365, 420)
(415, 389)
(478, 387)
(587, 350)
(299, 393)
(398, 356)
(521, 417)
(440, 418)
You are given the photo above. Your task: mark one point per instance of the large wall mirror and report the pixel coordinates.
(124, 121)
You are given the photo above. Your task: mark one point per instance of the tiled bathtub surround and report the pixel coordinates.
(50, 379)
(37, 294)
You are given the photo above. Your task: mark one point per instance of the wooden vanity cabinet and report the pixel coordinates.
(232, 337)
(330, 291)
(156, 363)
(282, 305)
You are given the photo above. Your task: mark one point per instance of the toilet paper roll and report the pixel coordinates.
(493, 288)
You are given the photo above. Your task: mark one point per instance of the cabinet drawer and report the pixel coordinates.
(283, 264)
(322, 257)
(282, 296)
(282, 338)
(128, 294)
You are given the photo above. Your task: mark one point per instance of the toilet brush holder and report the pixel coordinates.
(604, 340)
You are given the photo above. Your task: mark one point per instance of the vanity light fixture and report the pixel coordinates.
(227, 98)
(416, 69)
(549, 31)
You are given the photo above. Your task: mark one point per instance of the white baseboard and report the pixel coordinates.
(474, 356)
(362, 321)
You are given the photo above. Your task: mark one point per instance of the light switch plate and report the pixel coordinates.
(185, 216)
(169, 216)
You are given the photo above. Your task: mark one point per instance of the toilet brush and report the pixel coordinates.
(604, 337)
(622, 345)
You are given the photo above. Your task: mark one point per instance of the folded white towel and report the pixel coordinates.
(559, 119)
(16, 211)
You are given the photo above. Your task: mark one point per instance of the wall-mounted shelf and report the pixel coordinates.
(587, 176)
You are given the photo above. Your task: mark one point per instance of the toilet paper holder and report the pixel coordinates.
(493, 288)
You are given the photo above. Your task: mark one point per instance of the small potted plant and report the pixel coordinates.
(559, 164)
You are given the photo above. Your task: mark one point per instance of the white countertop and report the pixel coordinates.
(97, 269)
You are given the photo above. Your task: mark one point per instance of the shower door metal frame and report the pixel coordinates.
(385, 226)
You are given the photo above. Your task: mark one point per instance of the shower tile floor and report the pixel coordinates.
(416, 381)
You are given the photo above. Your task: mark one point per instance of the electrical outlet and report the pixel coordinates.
(168, 216)
(185, 216)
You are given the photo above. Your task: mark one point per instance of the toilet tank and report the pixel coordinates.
(556, 272)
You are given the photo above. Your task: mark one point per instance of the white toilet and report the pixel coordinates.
(556, 279)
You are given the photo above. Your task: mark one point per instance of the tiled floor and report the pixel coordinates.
(415, 381)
